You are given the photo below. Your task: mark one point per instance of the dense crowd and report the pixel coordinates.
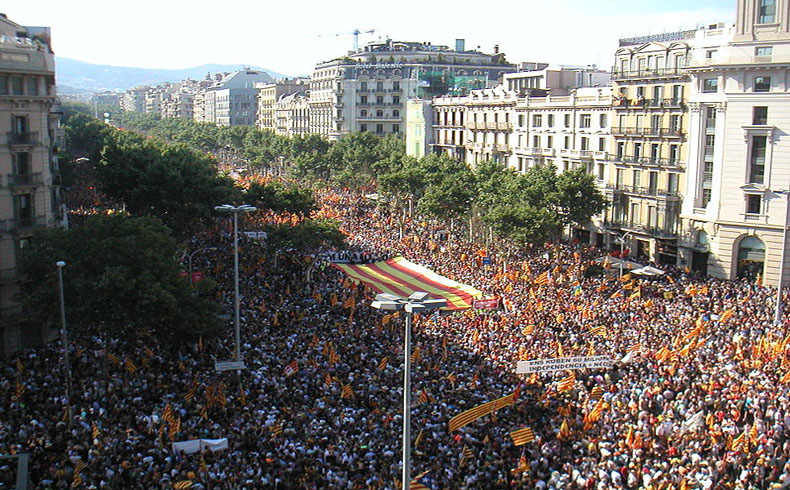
(695, 401)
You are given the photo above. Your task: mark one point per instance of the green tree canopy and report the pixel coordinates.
(281, 198)
(171, 182)
(120, 275)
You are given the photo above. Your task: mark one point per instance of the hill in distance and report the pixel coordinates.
(75, 76)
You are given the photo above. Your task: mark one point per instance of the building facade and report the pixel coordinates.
(292, 115)
(368, 90)
(269, 94)
(735, 212)
(30, 134)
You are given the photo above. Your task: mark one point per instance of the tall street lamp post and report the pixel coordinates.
(64, 336)
(778, 312)
(417, 302)
(244, 208)
(621, 240)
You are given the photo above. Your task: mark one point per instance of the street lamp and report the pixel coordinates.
(621, 240)
(64, 338)
(778, 312)
(244, 208)
(417, 302)
(190, 260)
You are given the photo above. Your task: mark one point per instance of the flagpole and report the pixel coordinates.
(65, 339)
(407, 402)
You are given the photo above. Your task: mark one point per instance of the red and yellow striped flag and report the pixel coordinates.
(522, 436)
(465, 418)
(566, 383)
(383, 363)
(130, 367)
(347, 391)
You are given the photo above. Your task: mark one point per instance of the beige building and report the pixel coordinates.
(28, 164)
(368, 89)
(133, 100)
(647, 181)
(292, 115)
(269, 94)
(736, 209)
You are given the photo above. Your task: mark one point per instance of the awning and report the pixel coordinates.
(648, 271)
(614, 262)
(400, 277)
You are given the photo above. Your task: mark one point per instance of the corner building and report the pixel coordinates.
(29, 178)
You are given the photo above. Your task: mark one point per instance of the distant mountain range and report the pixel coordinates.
(75, 77)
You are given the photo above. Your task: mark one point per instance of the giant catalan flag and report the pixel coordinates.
(400, 277)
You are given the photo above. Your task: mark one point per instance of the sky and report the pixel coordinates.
(290, 38)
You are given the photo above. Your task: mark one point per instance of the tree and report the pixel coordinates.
(307, 236)
(578, 198)
(280, 198)
(120, 274)
(171, 182)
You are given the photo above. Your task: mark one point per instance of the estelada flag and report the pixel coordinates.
(291, 368)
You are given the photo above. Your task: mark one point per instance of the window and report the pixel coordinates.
(710, 54)
(379, 129)
(619, 176)
(764, 51)
(32, 86)
(379, 86)
(602, 121)
(652, 181)
(585, 143)
(640, 93)
(674, 123)
(363, 100)
(537, 120)
(395, 100)
(760, 116)
(757, 160)
(379, 113)
(3, 85)
(567, 120)
(21, 163)
(637, 150)
(16, 86)
(20, 124)
(396, 128)
(654, 153)
(567, 142)
(23, 209)
(710, 85)
(363, 113)
(549, 141)
(396, 113)
(551, 120)
(620, 150)
(672, 183)
(363, 127)
(536, 141)
(395, 86)
(637, 178)
(521, 120)
(767, 11)
(673, 153)
(601, 168)
(584, 121)
(753, 203)
(379, 100)
(762, 84)
(363, 86)
(601, 144)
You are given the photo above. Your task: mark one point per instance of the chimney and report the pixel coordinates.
(460, 44)
(496, 48)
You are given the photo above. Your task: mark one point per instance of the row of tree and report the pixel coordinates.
(533, 207)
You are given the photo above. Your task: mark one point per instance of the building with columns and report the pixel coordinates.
(736, 208)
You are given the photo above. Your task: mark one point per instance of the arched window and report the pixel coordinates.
(751, 258)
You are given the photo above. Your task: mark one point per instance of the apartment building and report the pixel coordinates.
(736, 208)
(133, 100)
(233, 100)
(292, 115)
(269, 94)
(560, 79)
(368, 89)
(30, 136)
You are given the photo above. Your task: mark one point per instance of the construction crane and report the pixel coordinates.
(355, 33)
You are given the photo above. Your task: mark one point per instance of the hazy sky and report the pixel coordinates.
(292, 36)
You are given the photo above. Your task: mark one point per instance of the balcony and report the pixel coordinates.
(643, 191)
(648, 161)
(24, 180)
(654, 132)
(395, 90)
(23, 225)
(642, 229)
(647, 73)
(26, 138)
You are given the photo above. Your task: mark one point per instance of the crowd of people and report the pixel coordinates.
(698, 397)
